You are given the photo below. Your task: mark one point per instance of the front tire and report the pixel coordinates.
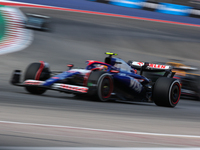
(166, 92)
(36, 71)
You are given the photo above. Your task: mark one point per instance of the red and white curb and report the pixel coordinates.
(16, 37)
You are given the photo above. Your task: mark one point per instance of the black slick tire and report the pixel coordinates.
(166, 92)
(32, 73)
(104, 85)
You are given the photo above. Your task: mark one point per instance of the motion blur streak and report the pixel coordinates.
(92, 12)
(99, 130)
(91, 148)
(14, 37)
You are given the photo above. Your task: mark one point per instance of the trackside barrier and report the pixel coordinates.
(173, 9)
(166, 8)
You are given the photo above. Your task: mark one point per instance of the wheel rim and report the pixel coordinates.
(175, 93)
(106, 87)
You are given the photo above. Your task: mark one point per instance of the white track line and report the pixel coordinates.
(101, 130)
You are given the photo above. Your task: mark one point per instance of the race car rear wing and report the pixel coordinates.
(149, 66)
(145, 66)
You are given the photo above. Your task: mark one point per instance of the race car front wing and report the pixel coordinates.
(67, 88)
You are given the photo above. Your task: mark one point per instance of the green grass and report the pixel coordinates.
(2, 26)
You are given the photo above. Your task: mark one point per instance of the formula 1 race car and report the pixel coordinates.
(38, 22)
(108, 80)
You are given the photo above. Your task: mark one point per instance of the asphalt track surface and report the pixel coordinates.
(77, 37)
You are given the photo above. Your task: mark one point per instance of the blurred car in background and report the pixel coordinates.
(190, 82)
(38, 22)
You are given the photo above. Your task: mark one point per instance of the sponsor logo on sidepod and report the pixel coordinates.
(134, 84)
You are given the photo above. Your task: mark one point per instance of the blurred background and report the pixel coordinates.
(84, 30)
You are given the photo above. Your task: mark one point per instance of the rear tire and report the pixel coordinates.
(166, 92)
(36, 71)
